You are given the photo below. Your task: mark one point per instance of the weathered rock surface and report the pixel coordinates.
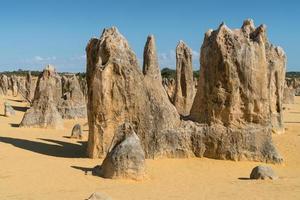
(150, 65)
(30, 85)
(126, 158)
(294, 83)
(263, 172)
(241, 79)
(99, 196)
(118, 92)
(72, 105)
(231, 112)
(43, 112)
(169, 86)
(4, 84)
(184, 82)
(218, 142)
(84, 88)
(14, 85)
(76, 132)
(8, 110)
(288, 95)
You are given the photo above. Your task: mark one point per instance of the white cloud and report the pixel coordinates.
(38, 58)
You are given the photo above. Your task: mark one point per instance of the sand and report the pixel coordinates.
(46, 164)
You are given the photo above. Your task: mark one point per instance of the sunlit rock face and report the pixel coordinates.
(43, 111)
(118, 92)
(184, 82)
(231, 116)
(241, 79)
(72, 105)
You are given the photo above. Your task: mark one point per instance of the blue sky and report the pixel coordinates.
(34, 33)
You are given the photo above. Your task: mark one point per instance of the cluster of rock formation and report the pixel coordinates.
(119, 92)
(54, 100)
(133, 114)
(237, 106)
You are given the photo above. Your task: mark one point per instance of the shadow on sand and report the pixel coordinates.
(86, 170)
(59, 149)
(20, 108)
(244, 178)
(14, 125)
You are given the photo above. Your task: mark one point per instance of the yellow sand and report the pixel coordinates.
(45, 164)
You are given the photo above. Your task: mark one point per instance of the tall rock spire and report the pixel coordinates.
(184, 84)
(150, 65)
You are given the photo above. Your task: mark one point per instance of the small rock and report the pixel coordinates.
(126, 159)
(76, 132)
(99, 196)
(8, 110)
(263, 172)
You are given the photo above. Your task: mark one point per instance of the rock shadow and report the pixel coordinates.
(86, 170)
(14, 125)
(15, 100)
(244, 178)
(20, 108)
(59, 149)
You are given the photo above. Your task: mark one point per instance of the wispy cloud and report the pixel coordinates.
(41, 59)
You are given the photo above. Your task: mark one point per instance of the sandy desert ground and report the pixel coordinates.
(46, 164)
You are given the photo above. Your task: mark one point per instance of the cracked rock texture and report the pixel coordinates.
(184, 82)
(241, 79)
(232, 115)
(43, 111)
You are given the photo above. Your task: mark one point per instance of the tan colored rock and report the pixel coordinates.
(263, 173)
(4, 84)
(126, 157)
(184, 85)
(236, 85)
(8, 110)
(72, 104)
(76, 132)
(169, 86)
(30, 85)
(14, 85)
(288, 95)
(118, 92)
(150, 65)
(43, 112)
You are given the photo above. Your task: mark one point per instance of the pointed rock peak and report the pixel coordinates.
(150, 44)
(182, 47)
(223, 28)
(208, 33)
(222, 25)
(259, 34)
(248, 23)
(111, 31)
(262, 28)
(113, 36)
(150, 65)
(181, 44)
